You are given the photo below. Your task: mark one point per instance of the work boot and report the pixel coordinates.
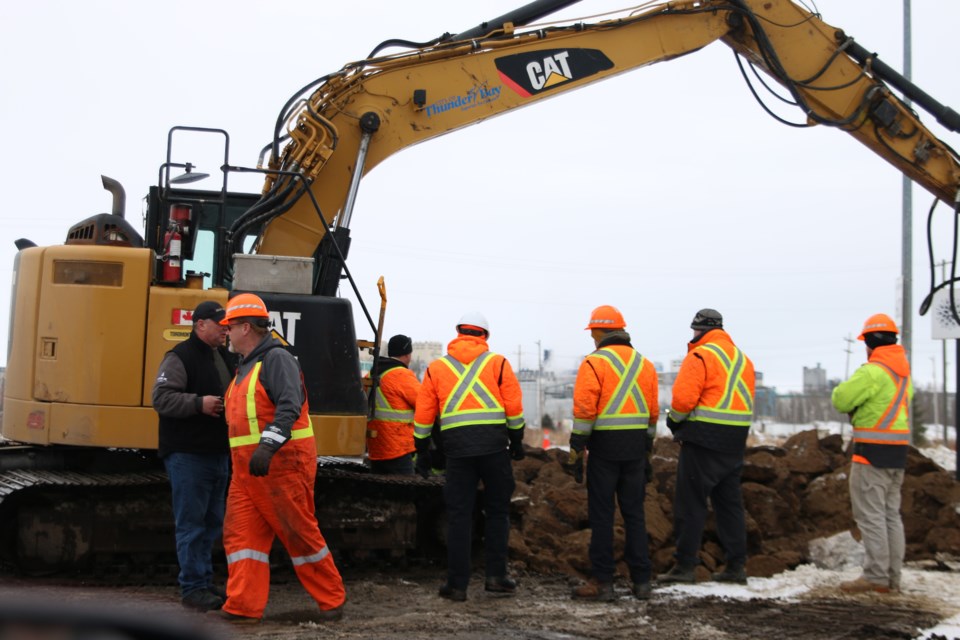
(642, 590)
(452, 593)
(233, 618)
(329, 615)
(504, 585)
(220, 592)
(678, 575)
(595, 591)
(201, 600)
(731, 574)
(862, 585)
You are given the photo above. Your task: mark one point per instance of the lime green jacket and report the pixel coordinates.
(870, 390)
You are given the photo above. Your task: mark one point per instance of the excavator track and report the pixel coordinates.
(86, 521)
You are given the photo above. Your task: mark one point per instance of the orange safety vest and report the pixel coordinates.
(390, 432)
(248, 413)
(623, 406)
(733, 406)
(470, 399)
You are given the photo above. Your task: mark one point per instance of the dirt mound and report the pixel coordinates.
(792, 494)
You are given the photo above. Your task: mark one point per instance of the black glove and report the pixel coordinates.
(575, 464)
(578, 442)
(516, 444)
(673, 425)
(260, 461)
(422, 463)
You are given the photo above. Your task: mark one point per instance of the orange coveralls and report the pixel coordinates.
(276, 505)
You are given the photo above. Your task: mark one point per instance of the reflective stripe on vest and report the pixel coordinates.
(614, 416)
(468, 384)
(881, 432)
(722, 413)
(251, 410)
(382, 409)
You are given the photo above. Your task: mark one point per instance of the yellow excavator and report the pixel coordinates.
(92, 318)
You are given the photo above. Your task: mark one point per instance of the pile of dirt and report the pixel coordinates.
(793, 494)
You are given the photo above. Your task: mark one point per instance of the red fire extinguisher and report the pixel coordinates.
(173, 243)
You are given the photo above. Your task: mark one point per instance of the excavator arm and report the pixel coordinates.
(355, 118)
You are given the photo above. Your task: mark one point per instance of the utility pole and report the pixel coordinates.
(936, 405)
(906, 266)
(848, 350)
(944, 400)
(539, 385)
(519, 367)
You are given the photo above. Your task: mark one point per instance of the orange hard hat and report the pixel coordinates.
(245, 305)
(878, 322)
(606, 317)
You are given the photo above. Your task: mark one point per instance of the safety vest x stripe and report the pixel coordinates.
(723, 413)
(490, 412)
(614, 416)
(251, 407)
(881, 431)
(382, 409)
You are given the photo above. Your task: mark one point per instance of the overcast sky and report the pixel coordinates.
(660, 191)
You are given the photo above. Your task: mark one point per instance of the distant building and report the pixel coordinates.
(815, 380)
(423, 354)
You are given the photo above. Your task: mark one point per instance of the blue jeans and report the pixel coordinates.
(199, 486)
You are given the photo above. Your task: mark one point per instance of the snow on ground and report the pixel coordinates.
(938, 590)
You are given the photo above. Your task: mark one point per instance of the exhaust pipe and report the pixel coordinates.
(119, 195)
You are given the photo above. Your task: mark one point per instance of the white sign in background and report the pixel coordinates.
(944, 325)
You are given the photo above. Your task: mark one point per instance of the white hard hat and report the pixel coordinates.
(474, 319)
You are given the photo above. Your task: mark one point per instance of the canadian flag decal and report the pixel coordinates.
(182, 316)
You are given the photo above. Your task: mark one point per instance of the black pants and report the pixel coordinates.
(623, 479)
(460, 492)
(704, 473)
(402, 466)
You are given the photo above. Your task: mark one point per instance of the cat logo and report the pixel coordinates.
(531, 73)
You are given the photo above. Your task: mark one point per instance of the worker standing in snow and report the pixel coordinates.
(274, 468)
(615, 411)
(710, 415)
(390, 432)
(477, 398)
(877, 396)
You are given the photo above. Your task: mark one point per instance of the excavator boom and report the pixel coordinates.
(370, 109)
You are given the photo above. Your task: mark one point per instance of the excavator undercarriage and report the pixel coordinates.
(106, 515)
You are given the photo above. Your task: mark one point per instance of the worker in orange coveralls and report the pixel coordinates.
(274, 466)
